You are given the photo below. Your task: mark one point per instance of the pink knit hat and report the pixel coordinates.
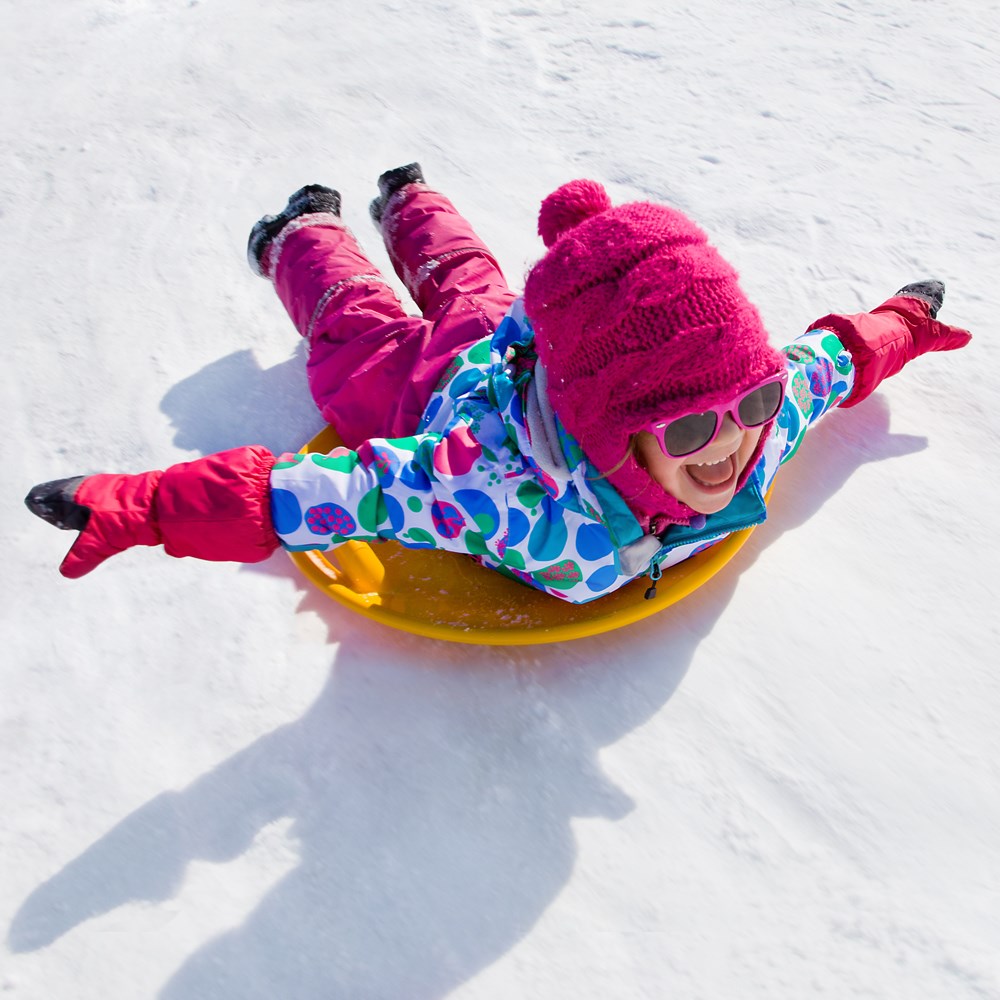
(637, 319)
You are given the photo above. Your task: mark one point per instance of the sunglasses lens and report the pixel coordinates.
(687, 434)
(762, 404)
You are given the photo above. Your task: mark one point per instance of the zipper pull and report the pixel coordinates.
(654, 574)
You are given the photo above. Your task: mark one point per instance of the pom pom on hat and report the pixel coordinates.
(568, 206)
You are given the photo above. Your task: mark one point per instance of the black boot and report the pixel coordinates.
(307, 200)
(389, 183)
(931, 291)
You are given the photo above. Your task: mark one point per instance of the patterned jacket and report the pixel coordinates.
(491, 473)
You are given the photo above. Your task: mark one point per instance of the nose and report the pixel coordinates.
(729, 433)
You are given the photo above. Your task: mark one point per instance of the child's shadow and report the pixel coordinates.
(831, 453)
(233, 401)
(432, 790)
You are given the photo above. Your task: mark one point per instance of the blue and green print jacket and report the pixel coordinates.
(492, 473)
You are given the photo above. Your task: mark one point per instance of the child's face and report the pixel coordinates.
(705, 481)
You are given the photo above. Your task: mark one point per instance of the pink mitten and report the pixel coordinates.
(882, 341)
(215, 508)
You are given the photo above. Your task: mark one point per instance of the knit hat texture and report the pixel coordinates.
(637, 319)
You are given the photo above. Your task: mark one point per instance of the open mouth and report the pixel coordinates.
(713, 477)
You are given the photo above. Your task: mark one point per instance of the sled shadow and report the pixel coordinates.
(431, 789)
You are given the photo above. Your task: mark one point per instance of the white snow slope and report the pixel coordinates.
(215, 783)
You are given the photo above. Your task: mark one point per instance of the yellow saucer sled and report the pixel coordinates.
(447, 595)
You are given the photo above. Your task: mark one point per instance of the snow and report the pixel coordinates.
(218, 784)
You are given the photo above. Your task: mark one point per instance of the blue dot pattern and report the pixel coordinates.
(286, 515)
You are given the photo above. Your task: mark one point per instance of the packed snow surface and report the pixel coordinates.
(216, 783)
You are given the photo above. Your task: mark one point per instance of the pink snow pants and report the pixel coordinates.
(372, 367)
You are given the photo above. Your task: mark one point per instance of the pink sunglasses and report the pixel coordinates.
(694, 431)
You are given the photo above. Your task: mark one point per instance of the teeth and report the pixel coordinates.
(718, 461)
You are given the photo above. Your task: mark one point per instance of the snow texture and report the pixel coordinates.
(218, 784)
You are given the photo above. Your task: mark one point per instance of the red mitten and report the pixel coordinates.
(882, 341)
(215, 508)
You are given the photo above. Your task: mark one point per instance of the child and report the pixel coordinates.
(626, 412)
